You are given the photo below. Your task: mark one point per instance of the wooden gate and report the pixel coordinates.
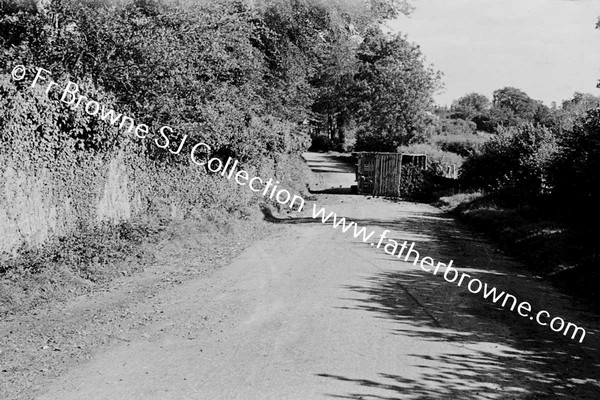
(379, 174)
(386, 180)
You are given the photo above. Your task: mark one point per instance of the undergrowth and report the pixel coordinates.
(74, 264)
(534, 235)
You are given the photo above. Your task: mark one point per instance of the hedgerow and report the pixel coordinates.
(437, 160)
(199, 70)
(573, 178)
(514, 162)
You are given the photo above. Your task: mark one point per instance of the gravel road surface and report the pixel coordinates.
(316, 314)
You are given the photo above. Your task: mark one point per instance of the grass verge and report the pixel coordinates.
(74, 264)
(534, 236)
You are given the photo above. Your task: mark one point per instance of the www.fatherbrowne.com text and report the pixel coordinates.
(406, 251)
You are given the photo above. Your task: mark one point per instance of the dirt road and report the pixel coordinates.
(316, 314)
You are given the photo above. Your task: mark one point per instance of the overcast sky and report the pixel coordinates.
(548, 48)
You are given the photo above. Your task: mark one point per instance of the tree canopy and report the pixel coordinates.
(209, 69)
(393, 90)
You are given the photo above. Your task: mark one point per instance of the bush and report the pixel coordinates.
(514, 162)
(575, 177)
(368, 141)
(414, 182)
(451, 127)
(321, 143)
(463, 145)
(437, 160)
(58, 129)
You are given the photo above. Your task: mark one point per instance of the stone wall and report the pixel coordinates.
(34, 205)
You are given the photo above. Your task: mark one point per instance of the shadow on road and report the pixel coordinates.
(547, 367)
(508, 356)
(342, 190)
(528, 361)
(332, 174)
(327, 170)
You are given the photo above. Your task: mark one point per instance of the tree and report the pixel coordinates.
(574, 109)
(512, 107)
(470, 106)
(393, 90)
(312, 44)
(209, 69)
(544, 116)
(197, 69)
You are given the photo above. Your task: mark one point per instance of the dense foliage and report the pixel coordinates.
(393, 91)
(514, 161)
(198, 71)
(553, 170)
(240, 76)
(510, 107)
(575, 177)
(248, 78)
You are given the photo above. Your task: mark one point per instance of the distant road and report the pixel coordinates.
(331, 172)
(316, 314)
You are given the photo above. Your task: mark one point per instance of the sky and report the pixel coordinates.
(548, 48)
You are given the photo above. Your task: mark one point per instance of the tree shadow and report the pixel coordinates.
(329, 170)
(508, 356)
(340, 190)
(530, 362)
